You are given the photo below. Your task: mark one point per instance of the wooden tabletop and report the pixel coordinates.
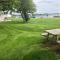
(54, 31)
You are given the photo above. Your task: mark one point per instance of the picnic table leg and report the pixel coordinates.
(55, 38)
(47, 36)
(58, 40)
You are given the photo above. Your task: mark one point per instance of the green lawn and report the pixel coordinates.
(23, 41)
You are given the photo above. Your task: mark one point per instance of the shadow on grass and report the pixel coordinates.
(40, 55)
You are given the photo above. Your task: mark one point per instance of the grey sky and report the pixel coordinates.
(47, 6)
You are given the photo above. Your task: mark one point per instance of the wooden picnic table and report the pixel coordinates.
(55, 33)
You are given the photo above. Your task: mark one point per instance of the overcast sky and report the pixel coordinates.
(47, 6)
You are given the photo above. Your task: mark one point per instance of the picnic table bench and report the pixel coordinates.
(55, 33)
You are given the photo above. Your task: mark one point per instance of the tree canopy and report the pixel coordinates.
(6, 5)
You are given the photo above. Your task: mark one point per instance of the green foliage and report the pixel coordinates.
(6, 5)
(27, 5)
(16, 4)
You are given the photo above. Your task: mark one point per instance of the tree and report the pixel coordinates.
(26, 6)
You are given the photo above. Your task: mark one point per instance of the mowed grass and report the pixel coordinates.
(23, 41)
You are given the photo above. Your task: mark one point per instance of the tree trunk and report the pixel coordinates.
(25, 16)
